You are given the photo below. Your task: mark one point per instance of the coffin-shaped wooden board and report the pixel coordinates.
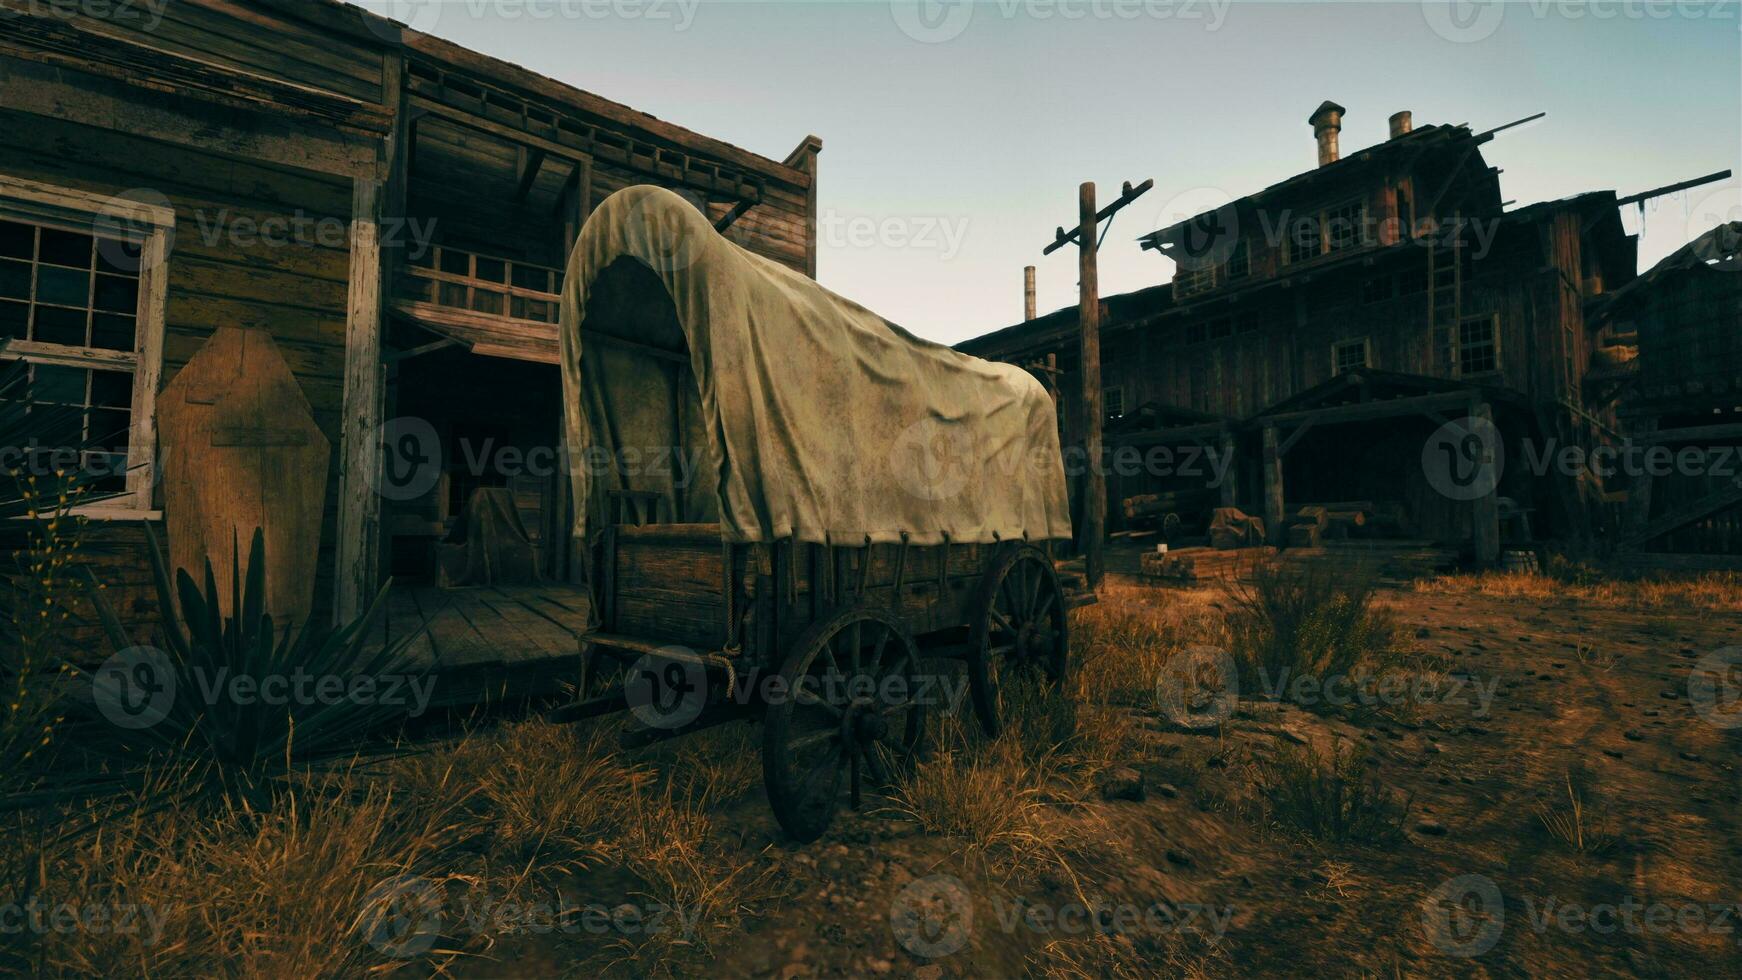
(241, 450)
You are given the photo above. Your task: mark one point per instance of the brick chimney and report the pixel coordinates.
(1401, 124)
(1327, 122)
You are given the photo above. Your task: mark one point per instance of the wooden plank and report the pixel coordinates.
(357, 575)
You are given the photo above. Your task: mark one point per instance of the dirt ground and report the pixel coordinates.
(1535, 695)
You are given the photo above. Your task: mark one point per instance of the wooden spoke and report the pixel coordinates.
(1022, 628)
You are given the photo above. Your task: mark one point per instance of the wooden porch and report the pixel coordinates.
(491, 643)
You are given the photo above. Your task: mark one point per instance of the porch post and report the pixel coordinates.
(1272, 487)
(1230, 474)
(357, 574)
(1485, 510)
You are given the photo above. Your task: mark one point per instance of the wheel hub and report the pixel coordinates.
(867, 723)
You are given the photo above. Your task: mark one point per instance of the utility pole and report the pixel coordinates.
(1094, 530)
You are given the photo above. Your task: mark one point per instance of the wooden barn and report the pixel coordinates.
(383, 211)
(1677, 330)
(1321, 330)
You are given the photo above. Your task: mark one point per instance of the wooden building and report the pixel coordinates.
(1677, 334)
(1323, 329)
(391, 209)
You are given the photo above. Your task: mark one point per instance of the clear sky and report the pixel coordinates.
(955, 133)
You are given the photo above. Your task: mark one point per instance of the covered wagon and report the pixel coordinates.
(789, 509)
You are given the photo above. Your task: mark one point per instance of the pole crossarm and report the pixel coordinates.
(1063, 238)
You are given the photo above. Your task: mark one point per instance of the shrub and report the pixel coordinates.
(1290, 623)
(1334, 798)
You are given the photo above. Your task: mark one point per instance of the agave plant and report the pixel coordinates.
(219, 718)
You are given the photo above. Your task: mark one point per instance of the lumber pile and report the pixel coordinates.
(1402, 560)
(1231, 528)
(1203, 564)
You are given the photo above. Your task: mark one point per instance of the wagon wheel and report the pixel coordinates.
(1021, 629)
(854, 712)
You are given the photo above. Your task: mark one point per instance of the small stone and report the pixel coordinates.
(1633, 735)
(1432, 828)
(1166, 789)
(881, 966)
(1691, 756)
(1179, 857)
(1121, 783)
(1612, 753)
(930, 971)
(1421, 632)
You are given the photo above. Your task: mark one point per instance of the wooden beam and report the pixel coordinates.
(1272, 462)
(90, 100)
(1230, 474)
(804, 158)
(1368, 411)
(1695, 433)
(1485, 510)
(1294, 437)
(534, 158)
(1698, 510)
(357, 573)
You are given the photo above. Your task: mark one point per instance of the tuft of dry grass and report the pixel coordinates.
(1292, 623)
(1710, 590)
(1573, 824)
(1333, 798)
(1123, 642)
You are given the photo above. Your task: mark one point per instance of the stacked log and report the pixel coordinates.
(1203, 564)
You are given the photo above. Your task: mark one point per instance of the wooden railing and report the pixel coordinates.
(455, 279)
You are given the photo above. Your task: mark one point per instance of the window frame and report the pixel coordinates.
(1459, 346)
(149, 227)
(1106, 411)
(1338, 346)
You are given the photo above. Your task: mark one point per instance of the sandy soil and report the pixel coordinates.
(1536, 693)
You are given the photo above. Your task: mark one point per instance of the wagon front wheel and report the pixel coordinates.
(1021, 632)
(848, 711)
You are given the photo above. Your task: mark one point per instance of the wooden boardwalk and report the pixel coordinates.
(490, 643)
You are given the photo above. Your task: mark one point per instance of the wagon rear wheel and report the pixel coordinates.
(1021, 630)
(849, 711)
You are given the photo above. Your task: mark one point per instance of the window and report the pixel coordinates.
(1348, 355)
(1239, 261)
(1113, 402)
(1192, 277)
(1346, 226)
(81, 302)
(1304, 240)
(1478, 346)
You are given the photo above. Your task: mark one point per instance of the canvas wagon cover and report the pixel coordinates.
(819, 419)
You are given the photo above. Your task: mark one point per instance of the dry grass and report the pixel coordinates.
(1332, 798)
(1573, 823)
(499, 821)
(1123, 642)
(1711, 590)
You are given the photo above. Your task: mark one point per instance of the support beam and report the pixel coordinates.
(1027, 293)
(1273, 529)
(532, 163)
(1639, 492)
(1485, 510)
(358, 561)
(1230, 474)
